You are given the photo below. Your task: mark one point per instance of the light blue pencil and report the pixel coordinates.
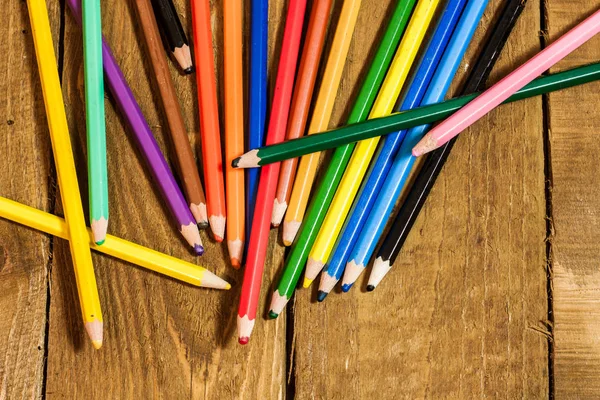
(404, 160)
(388, 148)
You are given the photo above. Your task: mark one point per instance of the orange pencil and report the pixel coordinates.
(209, 117)
(234, 127)
(303, 91)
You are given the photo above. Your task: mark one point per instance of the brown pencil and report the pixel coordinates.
(186, 164)
(303, 91)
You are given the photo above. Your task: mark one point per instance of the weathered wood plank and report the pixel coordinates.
(26, 171)
(454, 318)
(574, 122)
(162, 339)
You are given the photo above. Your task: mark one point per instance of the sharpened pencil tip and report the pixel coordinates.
(307, 283)
(244, 340)
(235, 263)
(346, 287)
(235, 162)
(321, 296)
(97, 344)
(228, 286)
(370, 288)
(199, 250)
(99, 228)
(188, 70)
(203, 225)
(273, 314)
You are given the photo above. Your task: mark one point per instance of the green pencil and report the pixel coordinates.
(320, 202)
(407, 119)
(94, 112)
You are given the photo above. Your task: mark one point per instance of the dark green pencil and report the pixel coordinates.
(405, 120)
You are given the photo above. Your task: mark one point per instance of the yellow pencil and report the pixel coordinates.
(320, 118)
(361, 157)
(114, 246)
(65, 169)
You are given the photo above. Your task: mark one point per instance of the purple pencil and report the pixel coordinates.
(146, 143)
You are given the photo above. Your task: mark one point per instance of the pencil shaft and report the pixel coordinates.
(234, 127)
(65, 165)
(257, 97)
(419, 116)
(114, 246)
(321, 116)
(361, 157)
(186, 163)
(268, 176)
(170, 24)
(502, 90)
(426, 178)
(145, 141)
(403, 162)
(299, 252)
(209, 117)
(303, 91)
(94, 112)
(388, 149)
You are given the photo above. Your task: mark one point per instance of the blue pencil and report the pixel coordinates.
(388, 149)
(404, 160)
(257, 98)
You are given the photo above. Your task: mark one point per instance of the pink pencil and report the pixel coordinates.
(501, 91)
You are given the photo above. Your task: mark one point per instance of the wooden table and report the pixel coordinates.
(496, 293)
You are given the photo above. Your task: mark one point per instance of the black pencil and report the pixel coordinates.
(433, 165)
(173, 33)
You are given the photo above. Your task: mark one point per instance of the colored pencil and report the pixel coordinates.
(361, 157)
(186, 164)
(257, 97)
(259, 237)
(403, 162)
(146, 143)
(234, 127)
(387, 150)
(173, 33)
(301, 100)
(115, 247)
(502, 90)
(323, 109)
(209, 118)
(65, 168)
(320, 201)
(94, 118)
(425, 180)
(355, 132)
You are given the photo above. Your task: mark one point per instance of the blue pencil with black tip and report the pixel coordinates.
(388, 148)
(404, 160)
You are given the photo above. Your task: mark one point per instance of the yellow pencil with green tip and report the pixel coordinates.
(65, 170)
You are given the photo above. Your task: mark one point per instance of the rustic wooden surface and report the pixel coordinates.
(470, 309)
(573, 120)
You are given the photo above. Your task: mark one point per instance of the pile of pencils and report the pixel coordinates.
(333, 225)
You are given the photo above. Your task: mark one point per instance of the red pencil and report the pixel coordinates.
(209, 117)
(259, 234)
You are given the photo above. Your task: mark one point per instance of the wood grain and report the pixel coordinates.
(573, 122)
(457, 317)
(26, 177)
(462, 315)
